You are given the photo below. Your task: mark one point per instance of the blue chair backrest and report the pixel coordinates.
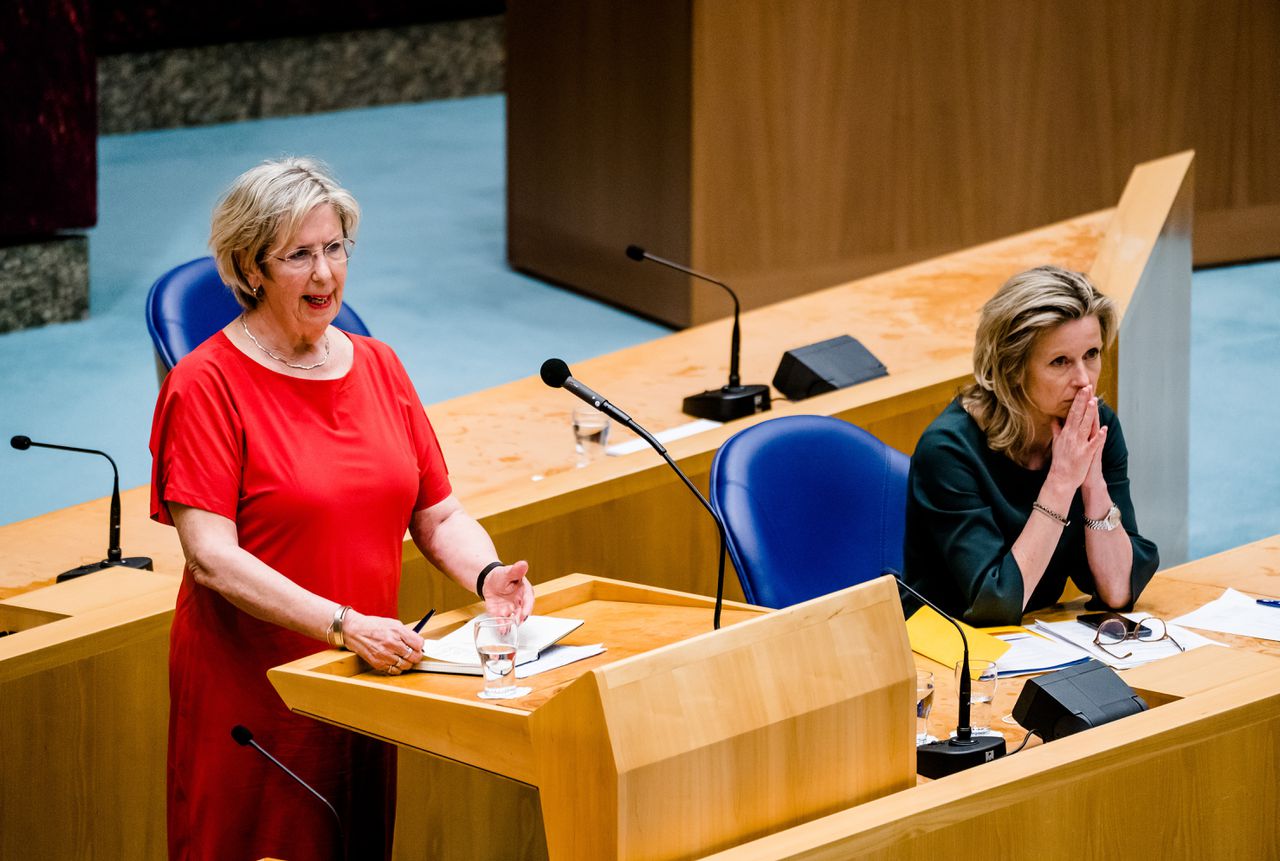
(812, 505)
(189, 303)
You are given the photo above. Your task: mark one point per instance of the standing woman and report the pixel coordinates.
(292, 457)
(1022, 482)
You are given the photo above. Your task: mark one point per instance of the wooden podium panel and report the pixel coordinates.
(678, 740)
(785, 146)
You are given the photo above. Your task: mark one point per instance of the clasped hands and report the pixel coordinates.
(1078, 441)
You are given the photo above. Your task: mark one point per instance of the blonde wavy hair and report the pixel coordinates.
(1028, 304)
(269, 203)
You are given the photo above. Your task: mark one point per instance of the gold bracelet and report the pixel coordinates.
(1049, 512)
(334, 634)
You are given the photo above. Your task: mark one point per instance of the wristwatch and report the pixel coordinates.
(1106, 524)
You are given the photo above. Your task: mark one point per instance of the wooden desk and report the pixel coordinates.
(83, 716)
(1195, 777)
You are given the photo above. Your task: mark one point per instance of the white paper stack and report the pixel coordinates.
(456, 652)
(558, 656)
(1235, 613)
(1139, 652)
(1029, 653)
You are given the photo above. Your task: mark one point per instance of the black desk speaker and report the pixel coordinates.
(1073, 699)
(825, 367)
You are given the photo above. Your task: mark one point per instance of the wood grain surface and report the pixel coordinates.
(783, 147)
(1197, 774)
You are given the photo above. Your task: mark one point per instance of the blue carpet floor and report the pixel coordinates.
(429, 277)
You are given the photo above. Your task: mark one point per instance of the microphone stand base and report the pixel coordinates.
(142, 563)
(727, 403)
(947, 757)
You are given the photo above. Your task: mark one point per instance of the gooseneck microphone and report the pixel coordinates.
(733, 401)
(244, 738)
(115, 558)
(555, 373)
(965, 750)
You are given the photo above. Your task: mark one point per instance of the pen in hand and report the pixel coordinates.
(417, 629)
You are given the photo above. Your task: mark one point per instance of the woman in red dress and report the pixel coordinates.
(292, 456)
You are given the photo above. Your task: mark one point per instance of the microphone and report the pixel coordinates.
(965, 750)
(733, 401)
(244, 738)
(115, 558)
(555, 373)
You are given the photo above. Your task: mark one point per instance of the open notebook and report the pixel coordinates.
(456, 651)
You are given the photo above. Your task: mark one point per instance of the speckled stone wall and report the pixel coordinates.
(44, 282)
(280, 77)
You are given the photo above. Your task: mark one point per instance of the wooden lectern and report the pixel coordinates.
(678, 740)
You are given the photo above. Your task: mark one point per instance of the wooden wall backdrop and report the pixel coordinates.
(784, 147)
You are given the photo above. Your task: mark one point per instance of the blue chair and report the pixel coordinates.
(189, 303)
(812, 505)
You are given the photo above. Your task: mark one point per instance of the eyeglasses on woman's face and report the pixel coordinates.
(302, 260)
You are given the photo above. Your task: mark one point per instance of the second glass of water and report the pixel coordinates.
(983, 680)
(496, 639)
(590, 434)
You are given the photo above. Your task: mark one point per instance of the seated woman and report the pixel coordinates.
(1022, 481)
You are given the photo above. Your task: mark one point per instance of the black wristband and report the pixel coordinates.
(483, 574)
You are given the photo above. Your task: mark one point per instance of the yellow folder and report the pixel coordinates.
(936, 638)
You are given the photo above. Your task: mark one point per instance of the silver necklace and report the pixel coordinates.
(281, 359)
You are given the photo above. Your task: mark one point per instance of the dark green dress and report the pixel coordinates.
(966, 505)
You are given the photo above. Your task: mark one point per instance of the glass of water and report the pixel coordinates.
(496, 639)
(983, 681)
(924, 705)
(590, 434)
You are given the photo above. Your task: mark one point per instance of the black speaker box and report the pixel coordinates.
(1075, 698)
(825, 367)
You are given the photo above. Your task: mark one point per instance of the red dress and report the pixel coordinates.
(321, 478)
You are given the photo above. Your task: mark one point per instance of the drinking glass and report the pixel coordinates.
(983, 680)
(924, 705)
(496, 638)
(590, 434)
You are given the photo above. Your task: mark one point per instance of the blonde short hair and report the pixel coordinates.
(268, 203)
(1028, 304)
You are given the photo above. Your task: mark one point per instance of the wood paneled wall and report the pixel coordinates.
(785, 147)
